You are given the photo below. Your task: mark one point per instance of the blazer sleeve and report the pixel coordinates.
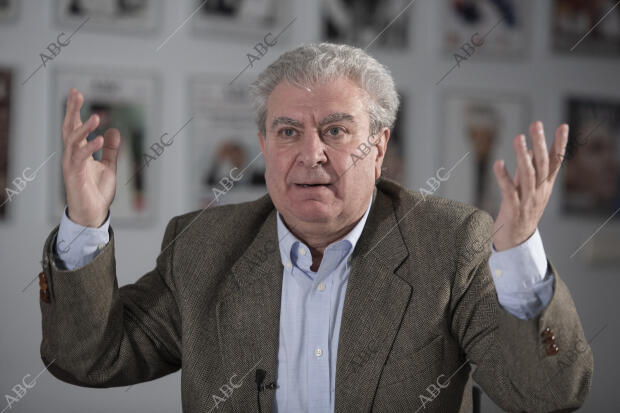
(98, 335)
(538, 365)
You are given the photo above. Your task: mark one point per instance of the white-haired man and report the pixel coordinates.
(338, 290)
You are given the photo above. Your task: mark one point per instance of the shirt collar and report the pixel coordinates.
(289, 244)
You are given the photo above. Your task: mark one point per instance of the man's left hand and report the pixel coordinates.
(524, 199)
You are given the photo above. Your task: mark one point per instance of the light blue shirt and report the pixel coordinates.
(312, 302)
(311, 310)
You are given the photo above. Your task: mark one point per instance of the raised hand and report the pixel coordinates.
(524, 199)
(90, 185)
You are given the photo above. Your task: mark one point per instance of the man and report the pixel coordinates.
(337, 291)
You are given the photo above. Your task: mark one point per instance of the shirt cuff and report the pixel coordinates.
(77, 245)
(522, 277)
(519, 267)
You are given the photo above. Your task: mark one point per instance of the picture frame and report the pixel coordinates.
(589, 28)
(493, 29)
(223, 137)
(380, 24)
(591, 178)
(479, 128)
(241, 20)
(128, 17)
(129, 102)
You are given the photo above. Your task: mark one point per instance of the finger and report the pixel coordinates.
(505, 182)
(76, 121)
(527, 174)
(516, 178)
(72, 116)
(77, 138)
(540, 154)
(558, 148)
(66, 129)
(82, 154)
(111, 144)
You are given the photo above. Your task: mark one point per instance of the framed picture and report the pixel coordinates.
(224, 143)
(9, 10)
(240, 18)
(591, 178)
(478, 129)
(586, 27)
(127, 102)
(493, 28)
(394, 162)
(362, 22)
(5, 120)
(138, 16)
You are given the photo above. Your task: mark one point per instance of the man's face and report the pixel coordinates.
(311, 135)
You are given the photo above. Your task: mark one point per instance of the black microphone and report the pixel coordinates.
(260, 386)
(260, 378)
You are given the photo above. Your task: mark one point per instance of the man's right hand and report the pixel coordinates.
(90, 185)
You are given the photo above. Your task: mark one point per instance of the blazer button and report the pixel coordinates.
(44, 292)
(552, 349)
(547, 333)
(549, 339)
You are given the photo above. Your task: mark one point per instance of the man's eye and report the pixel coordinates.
(287, 132)
(335, 131)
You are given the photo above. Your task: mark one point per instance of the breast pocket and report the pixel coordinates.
(420, 364)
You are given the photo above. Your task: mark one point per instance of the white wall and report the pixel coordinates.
(544, 78)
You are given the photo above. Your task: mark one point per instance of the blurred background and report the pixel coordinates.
(173, 77)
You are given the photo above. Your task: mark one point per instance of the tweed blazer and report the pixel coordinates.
(420, 320)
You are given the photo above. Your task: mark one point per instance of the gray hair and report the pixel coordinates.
(315, 63)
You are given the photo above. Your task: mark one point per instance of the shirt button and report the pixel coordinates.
(302, 251)
(498, 272)
(288, 266)
(321, 286)
(318, 352)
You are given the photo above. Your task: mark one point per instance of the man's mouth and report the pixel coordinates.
(312, 185)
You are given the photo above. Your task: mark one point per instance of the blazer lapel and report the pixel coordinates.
(248, 314)
(248, 317)
(375, 301)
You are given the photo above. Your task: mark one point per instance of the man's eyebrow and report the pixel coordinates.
(335, 117)
(283, 120)
(332, 117)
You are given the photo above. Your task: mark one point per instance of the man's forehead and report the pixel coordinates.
(330, 94)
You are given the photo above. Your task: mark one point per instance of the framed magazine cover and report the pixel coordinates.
(224, 143)
(590, 184)
(127, 101)
(588, 28)
(477, 129)
(500, 29)
(591, 178)
(242, 19)
(385, 24)
(126, 16)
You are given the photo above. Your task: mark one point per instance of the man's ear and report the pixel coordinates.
(382, 140)
(261, 142)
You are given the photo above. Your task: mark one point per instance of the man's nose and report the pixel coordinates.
(312, 150)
